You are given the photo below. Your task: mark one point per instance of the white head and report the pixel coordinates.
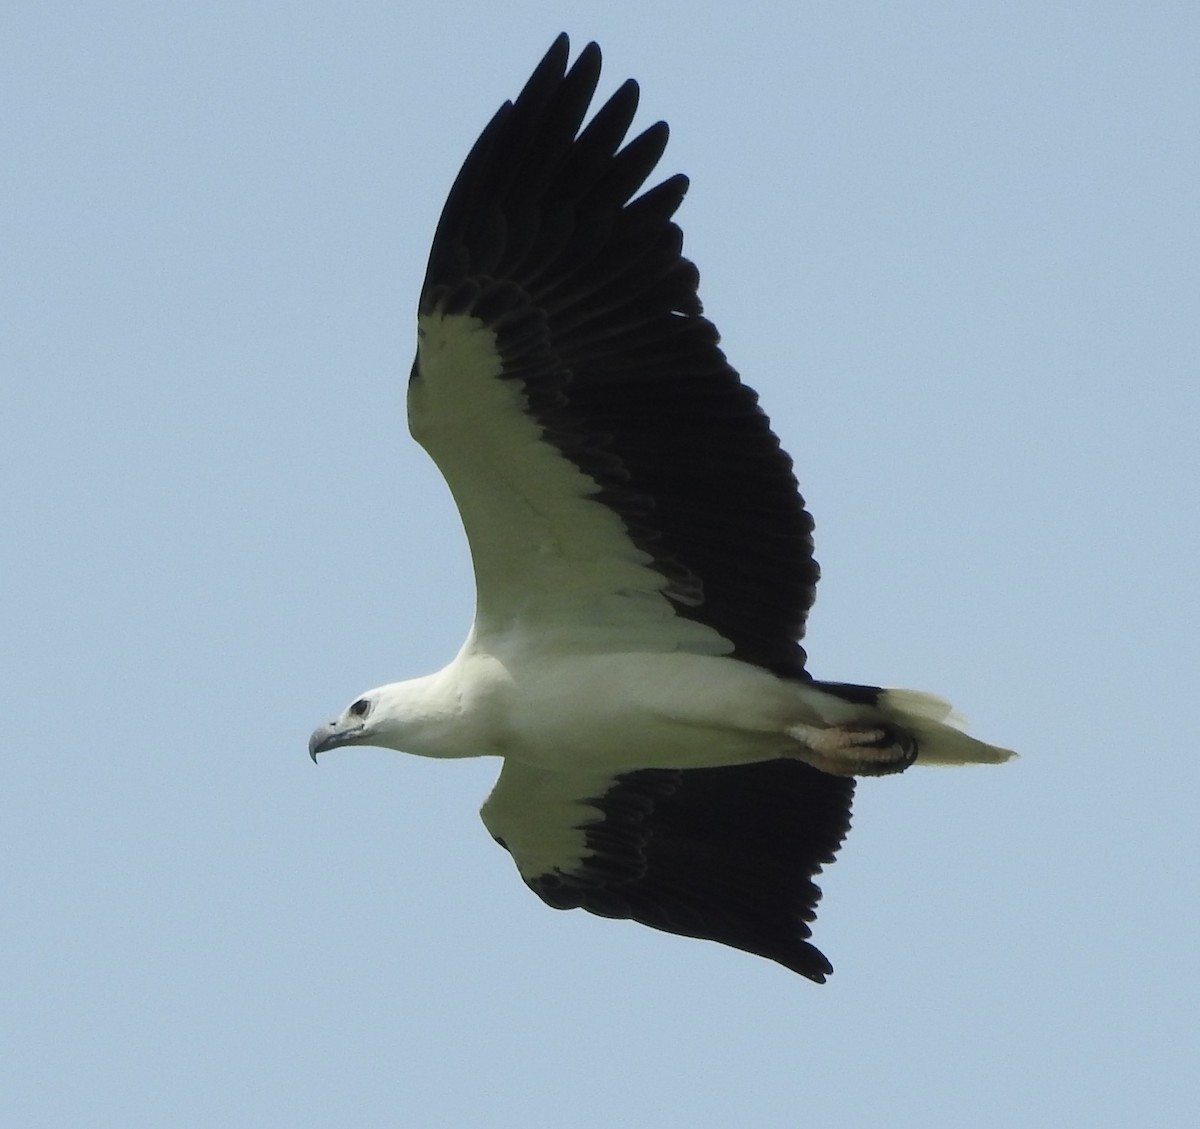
(409, 716)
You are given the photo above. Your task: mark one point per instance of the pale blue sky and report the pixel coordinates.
(954, 246)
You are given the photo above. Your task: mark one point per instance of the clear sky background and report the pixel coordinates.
(954, 246)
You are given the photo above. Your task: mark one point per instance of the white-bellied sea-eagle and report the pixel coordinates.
(643, 559)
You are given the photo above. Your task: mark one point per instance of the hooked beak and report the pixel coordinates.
(329, 736)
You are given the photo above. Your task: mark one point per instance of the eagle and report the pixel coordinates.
(643, 557)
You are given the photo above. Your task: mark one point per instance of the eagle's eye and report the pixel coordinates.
(360, 708)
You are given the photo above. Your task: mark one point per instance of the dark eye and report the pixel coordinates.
(360, 708)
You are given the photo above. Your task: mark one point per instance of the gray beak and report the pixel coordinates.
(324, 738)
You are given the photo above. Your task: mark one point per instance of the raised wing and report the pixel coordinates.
(726, 854)
(617, 482)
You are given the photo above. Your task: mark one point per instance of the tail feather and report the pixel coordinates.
(938, 729)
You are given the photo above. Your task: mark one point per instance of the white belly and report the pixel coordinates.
(625, 711)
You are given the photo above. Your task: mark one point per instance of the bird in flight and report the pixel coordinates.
(642, 555)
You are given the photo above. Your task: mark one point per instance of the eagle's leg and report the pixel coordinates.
(856, 750)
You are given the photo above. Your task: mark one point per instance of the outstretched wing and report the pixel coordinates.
(619, 485)
(726, 854)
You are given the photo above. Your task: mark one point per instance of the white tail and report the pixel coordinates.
(938, 729)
